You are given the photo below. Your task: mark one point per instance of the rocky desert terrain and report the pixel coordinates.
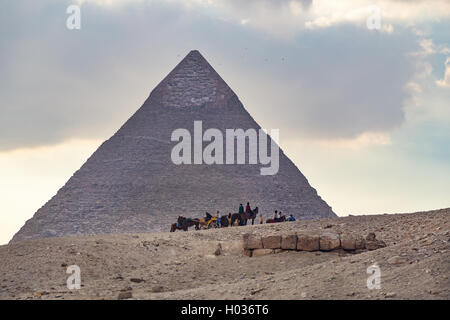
(212, 264)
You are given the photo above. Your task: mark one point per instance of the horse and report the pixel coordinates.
(184, 223)
(224, 221)
(204, 221)
(243, 217)
(237, 216)
(281, 219)
(174, 227)
(252, 215)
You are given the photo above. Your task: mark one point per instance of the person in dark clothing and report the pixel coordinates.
(275, 215)
(241, 208)
(247, 208)
(219, 225)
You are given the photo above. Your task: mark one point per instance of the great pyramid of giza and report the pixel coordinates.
(131, 185)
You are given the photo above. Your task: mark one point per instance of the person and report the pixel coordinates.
(218, 219)
(291, 218)
(279, 214)
(275, 215)
(241, 209)
(261, 219)
(247, 208)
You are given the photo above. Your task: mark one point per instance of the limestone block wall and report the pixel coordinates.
(327, 241)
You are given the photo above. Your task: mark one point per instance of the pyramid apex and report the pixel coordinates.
(195, 55)
(193, 82)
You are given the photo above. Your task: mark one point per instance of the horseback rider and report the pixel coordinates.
(275, 215)
(179, 221)
(241, 209)
(247, 208)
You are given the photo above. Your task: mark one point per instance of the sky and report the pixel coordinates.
(360, 90)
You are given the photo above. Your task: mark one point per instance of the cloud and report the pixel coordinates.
(365, 139)
(428, 46)
(339, 82)
(445, 82)
(286, 18)
(58, 84)
(345, 81)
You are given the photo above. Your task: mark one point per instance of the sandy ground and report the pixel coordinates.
(184, 265)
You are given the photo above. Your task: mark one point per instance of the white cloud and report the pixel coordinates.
(290, 16)
(365, 139)
(284, 18)
(445, 82)
(428, 46)
(444, 50)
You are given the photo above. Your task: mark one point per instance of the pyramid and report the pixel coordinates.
(131, 185)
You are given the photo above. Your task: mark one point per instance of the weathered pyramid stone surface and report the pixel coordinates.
(131, 185)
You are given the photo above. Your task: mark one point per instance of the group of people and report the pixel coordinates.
(277, 216)
(247, 208)
(219, 216)
(241, 210)
(241, 218)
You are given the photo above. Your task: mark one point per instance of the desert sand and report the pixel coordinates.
(211, 264)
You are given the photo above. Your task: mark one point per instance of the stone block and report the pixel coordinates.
(307, 242)
(289, 242)
(252, 242)
(329, 241)
(348, 242)
(261, 252)
(271, 242)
